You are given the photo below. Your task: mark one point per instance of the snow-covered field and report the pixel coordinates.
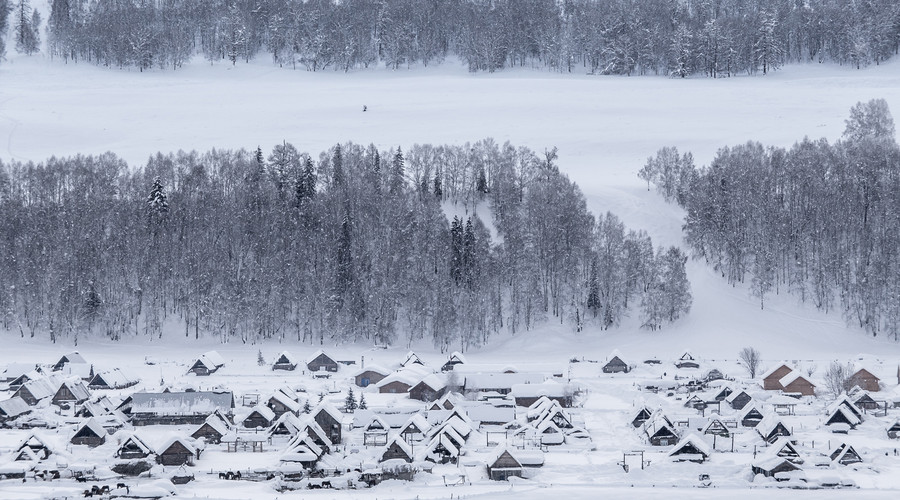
(604, 127)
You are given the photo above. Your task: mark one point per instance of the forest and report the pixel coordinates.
(819, 220)
(451, 244)
(715, 38)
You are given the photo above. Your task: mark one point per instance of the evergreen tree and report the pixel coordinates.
(25, 32)
(362, 401)
(438, 190)
(337, 166)
(398, 172)
(307, 408)
(157, 203)
(350, 402)
(260, 360)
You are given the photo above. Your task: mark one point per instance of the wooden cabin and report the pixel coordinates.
(893, 431)
(32, 447)
(641, 416)
(321, 362)
(133, 448)
(259, 417)
(37, 390)
(687, 360)
(285, 361)
(330, 420)
(281, 403)
(177, 451)
(72, 357)
(771, 428)
(738, 399)
(71, 393)
(796, 383)
(455, 358)
(845, 455)
(397, 448)
(430, 388)
(503, 465)
(865, 380)
(773, 466)
(616, 365)
(370, 375)
(13, 408)
(691, 448)
(207, 364)
(91, 433)
(113, 379)
(750, 416)
(771, 379)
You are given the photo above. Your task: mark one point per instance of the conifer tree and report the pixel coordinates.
(157, 203)
(362, 401)
(350, 402)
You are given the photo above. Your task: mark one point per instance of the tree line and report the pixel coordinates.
(715, 38)
(819, 220)
(448, 243)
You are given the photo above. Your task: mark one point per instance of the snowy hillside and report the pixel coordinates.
(604, 127)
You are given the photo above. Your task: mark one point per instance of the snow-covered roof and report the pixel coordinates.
(774, 368)
(374, 369)
(215, 358)
(792, 377)
(694, 440)
(456, 357)
(263, 411)
(409, 376)
(400, 443)
(329, 409)
(72, 357)
(13, 407)
(79, 391)
(411, 358)
(315, 355)
(289, 357)
(433, 381)
(285, 400)
(125, 437)
(180, 403)
(490, 413)
(94, 426)
(768, 424)
(171, 440)
(114, 379)
(41, 388)
(419, 422)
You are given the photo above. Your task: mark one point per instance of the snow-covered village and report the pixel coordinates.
(310, 420)
(449, 249)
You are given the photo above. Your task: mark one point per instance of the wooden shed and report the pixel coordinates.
(321, 362)
(372, 374)
(773, 466)
(845, 455)
(207, 364)
(330, 420)
(177, 451)
(72, 357)
(259, 417)
(865, 380)
(133, 448)
(397, 448)
(795, 383)
(615, 365)
(771, 378)
(285, 361)
(503, 464)
(430, 388)
(738, 399)
(71, 393)
(91, 433)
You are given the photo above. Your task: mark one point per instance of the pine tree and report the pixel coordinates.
(398, 171)
(307, 408)
(26, 33)
(362, 401)
(350, 402)
(157, 203)
(260, 360)
(438, 190)
(337, 166)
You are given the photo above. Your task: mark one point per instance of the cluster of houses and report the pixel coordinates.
(501, 418)
(699, 413)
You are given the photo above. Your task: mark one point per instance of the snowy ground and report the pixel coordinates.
(604, 127)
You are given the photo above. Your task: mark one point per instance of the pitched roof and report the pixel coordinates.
(286, 400)
(94, 426)
(689, 441)
(136, 441)
(433, 381)
(290, 358)
(506, 381)
(374, 369)
(79, 391)
(792, 377)
(263, 411)
(72, 357)
(214, 357)
(316, 355)
(411, 358)
(768, 373)
(13, 407)
(114, 379)
(41, 388)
